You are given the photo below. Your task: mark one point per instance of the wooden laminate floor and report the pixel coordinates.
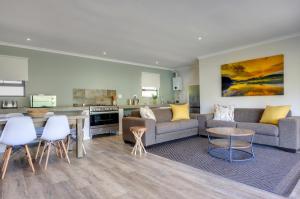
(109, 171)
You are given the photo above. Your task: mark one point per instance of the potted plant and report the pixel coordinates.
(154, 99)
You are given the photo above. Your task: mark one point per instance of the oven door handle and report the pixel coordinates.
(101, 113)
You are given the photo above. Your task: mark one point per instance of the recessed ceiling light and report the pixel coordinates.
(199, 38)
(28, 39)
(157, 62)
(104, 53)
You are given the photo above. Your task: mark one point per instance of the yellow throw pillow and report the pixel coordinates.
(273, 114)
(180, 111)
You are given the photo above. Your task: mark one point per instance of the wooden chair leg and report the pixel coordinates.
(65, 150)
(68, 142)
(60, 149)
(6, 162)
(38, 150)
(47, 158)
(56, 150)
(3, 159)
(43, 151)
(29, 158)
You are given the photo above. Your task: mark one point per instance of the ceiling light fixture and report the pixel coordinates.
(200, 38)
(28, 39)
(104, 53)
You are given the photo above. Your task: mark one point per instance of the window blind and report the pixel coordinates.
(150, 80)
(13, 68)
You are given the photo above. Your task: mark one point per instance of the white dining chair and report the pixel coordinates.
(55, 132)
(85, 129)
(4, 117)
(39, 132)
(18, 131)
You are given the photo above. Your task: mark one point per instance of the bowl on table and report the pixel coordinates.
(37, 112)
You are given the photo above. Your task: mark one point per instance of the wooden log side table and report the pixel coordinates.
(138, 132)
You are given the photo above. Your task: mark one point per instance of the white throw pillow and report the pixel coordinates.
(147, 113)
(224, 112)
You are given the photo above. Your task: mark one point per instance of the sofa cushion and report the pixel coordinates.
(180, 112)
(167, 127)
(219, 123)
(163, 114)
(252, 115)
(262, 129)
(224, 112)
(135, 113)
(147, 113)
(273, 114)
(248, 114)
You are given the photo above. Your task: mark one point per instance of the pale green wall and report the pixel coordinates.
(56, 74)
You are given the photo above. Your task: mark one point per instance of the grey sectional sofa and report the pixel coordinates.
(162, 129)
(286, 135)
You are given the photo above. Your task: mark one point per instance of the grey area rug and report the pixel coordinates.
(272, 169)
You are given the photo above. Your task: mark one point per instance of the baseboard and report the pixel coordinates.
(288, 150)
(204, 136)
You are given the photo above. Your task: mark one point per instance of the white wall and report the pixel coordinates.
(210, 76)
(190, 76)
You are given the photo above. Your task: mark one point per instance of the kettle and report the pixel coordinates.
(135, 100)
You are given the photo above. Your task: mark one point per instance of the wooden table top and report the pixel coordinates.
(228, 131)
(71, 117)
(138, 128)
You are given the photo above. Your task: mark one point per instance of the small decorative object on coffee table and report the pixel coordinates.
(138, 132)
(232, 145)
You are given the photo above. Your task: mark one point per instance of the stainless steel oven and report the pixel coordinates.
(104, 120)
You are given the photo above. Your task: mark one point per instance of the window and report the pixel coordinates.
(150, 84)
(149, 91)
(12, 88)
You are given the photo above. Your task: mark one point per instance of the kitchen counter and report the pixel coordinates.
(141, 105)
(77, 108)
(52, 109)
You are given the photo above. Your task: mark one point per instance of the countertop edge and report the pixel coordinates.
(51, 109)
(76, 108)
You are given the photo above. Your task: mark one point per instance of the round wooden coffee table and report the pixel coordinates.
(226, 142)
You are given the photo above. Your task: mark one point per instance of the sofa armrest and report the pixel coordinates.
(289, 133)
(202, 118)
(148, 137)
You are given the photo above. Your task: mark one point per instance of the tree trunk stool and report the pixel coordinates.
(138, 132)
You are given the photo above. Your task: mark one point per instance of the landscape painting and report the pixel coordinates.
(257, 77)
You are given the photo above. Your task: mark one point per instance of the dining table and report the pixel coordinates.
(76, 120)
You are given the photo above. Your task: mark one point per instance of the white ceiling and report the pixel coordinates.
(146, 31)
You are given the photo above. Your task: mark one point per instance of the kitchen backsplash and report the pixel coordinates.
(93, 96)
